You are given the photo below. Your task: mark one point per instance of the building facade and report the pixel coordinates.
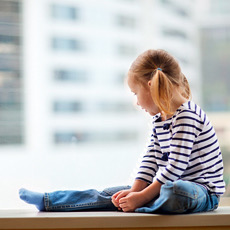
(80, 128)
(11, 73)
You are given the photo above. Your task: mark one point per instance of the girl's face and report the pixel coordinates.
(144, 98)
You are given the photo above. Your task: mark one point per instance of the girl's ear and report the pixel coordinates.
(149, 83)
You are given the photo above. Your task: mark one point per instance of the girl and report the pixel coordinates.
(182, 170)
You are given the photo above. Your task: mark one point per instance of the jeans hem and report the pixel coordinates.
(46, 201)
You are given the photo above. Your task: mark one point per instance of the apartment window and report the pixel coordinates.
(5, 39)
(8, 77)
(10, 98)
(175, 7)
(115, 107)
(9, 44)
(64, 12)
(11, 139)
(66, 44)
(126, 21)
(182, 12)
(126, 50)
(77, 76)
(218, 7)
(119, 79)
(67, 106)
(84, 137)
(174, 33)
(10, 6)
(183, 60)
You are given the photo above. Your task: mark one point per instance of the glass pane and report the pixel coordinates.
(65, 111)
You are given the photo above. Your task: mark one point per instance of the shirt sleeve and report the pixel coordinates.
(185, 130)
(148, 167)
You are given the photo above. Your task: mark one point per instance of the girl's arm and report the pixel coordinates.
(139, 185)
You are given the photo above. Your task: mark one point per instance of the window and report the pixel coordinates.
(84, 136)
(11, 139)
(126, 21)
(176, 8)
(7, 47)
(170, 32)
(66, 44)
(126, 50)
(10, 7)
(115, 107)
(119, 78)
(9, 39)
(220, 7)
(97, 107)
(183, 60)
(64, 12)
(11, 121)
(70, 76)
(66, 106)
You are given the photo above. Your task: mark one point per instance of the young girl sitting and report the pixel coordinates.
(182, 170)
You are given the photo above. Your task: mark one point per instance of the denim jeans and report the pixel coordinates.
(175, 198)
(88, 200)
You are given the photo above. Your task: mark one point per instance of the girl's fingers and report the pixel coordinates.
(116, 204)
(121, 195)
(122, 201)
(116, 194)
(123, 205)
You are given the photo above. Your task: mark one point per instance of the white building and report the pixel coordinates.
(81, 129)
(82, 50)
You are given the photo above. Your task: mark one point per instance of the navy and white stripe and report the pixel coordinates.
(184, 147)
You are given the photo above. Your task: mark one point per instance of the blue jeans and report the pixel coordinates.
(175, 198)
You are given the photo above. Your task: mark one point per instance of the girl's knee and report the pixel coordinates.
(177, 196)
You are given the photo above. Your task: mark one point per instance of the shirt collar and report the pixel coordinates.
(156, 117)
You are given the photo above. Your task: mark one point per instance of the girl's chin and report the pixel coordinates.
(151, 113)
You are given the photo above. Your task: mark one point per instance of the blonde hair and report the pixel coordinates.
(165, 74)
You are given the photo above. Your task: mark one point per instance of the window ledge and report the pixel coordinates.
(30, 219)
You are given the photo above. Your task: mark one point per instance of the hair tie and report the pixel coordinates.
(159, 69)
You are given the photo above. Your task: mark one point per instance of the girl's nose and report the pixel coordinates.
(138, 103)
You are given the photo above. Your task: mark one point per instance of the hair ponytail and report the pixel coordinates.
(186, 88)
(161, 91)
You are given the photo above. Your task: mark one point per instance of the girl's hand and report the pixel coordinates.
(117, 196)
(132, 201)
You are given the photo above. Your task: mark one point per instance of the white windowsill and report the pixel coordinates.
(30, 219)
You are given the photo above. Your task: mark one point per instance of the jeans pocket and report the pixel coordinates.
(185, 188)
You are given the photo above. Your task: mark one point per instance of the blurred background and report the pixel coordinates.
(67, 120)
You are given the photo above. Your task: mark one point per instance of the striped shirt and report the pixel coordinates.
(184, 147)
